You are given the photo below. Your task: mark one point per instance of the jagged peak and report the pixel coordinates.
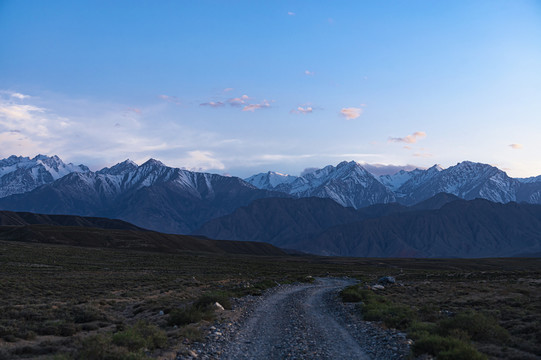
(126, 163)
(466, 164)
(153, 162)
(435, 167)
(120, 168)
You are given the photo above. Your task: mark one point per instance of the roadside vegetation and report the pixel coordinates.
(64, 302)
(459, 313)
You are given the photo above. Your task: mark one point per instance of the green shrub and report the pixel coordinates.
(446, 348)
(86, 314)
(461, 353)
(392, 315)
(141, 335)
(419, 329)
(191, 333)
(154, 337)
(355, 294)
(99, 347)
(130, 339)
(265, 284)
(478, 326)
(377, 308)
(209, 298)
(189, 315)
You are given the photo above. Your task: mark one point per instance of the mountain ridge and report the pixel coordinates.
(443, 226)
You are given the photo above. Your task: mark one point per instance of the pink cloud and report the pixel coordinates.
(213, 104)
(238, 101)
(351, 113)
(253, 107)
(171, 99)
(409, 139)
(515, 146)
(302, 110)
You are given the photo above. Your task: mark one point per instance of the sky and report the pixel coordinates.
(242, 87)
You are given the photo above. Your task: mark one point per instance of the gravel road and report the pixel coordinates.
(304, 321)
(295, 323)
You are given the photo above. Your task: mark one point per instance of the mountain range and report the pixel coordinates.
(153, 196)
(266, 206)
(350, 184)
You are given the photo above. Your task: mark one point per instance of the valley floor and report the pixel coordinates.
(66, 302)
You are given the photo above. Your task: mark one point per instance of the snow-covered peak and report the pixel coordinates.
(270, 180)
(120, 169)
(395, 181)
(20, 174)
(349, 184)
(469, 167)
(343, 170)
(153, 163)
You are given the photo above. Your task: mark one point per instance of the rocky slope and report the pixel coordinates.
(439, 227)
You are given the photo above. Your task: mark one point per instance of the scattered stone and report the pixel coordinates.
(218, 306)
(161, 313)
(378, 287)
(387, 280)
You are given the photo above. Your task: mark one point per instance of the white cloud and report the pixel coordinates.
(516, 146)
(351, 112)
(19, 112)
(98, 133)
(19, 96)
(308, 72)
(198, 160)
(409, 139)
(291, 13)
(302, 110)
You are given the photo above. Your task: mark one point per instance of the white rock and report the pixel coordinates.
(218, 306)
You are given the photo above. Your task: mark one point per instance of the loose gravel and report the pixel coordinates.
(302, 321)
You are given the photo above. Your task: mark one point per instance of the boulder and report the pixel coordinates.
(387, 280)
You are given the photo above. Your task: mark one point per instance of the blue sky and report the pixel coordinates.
(241, 87)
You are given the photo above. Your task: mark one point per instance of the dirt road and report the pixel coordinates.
(297, 323)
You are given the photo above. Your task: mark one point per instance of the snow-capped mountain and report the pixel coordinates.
(153, 196)
(20, 174)
(349, 184)
(120, 169)
(159, 197)
(467, 180)
(414, 177)
(270, 180)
